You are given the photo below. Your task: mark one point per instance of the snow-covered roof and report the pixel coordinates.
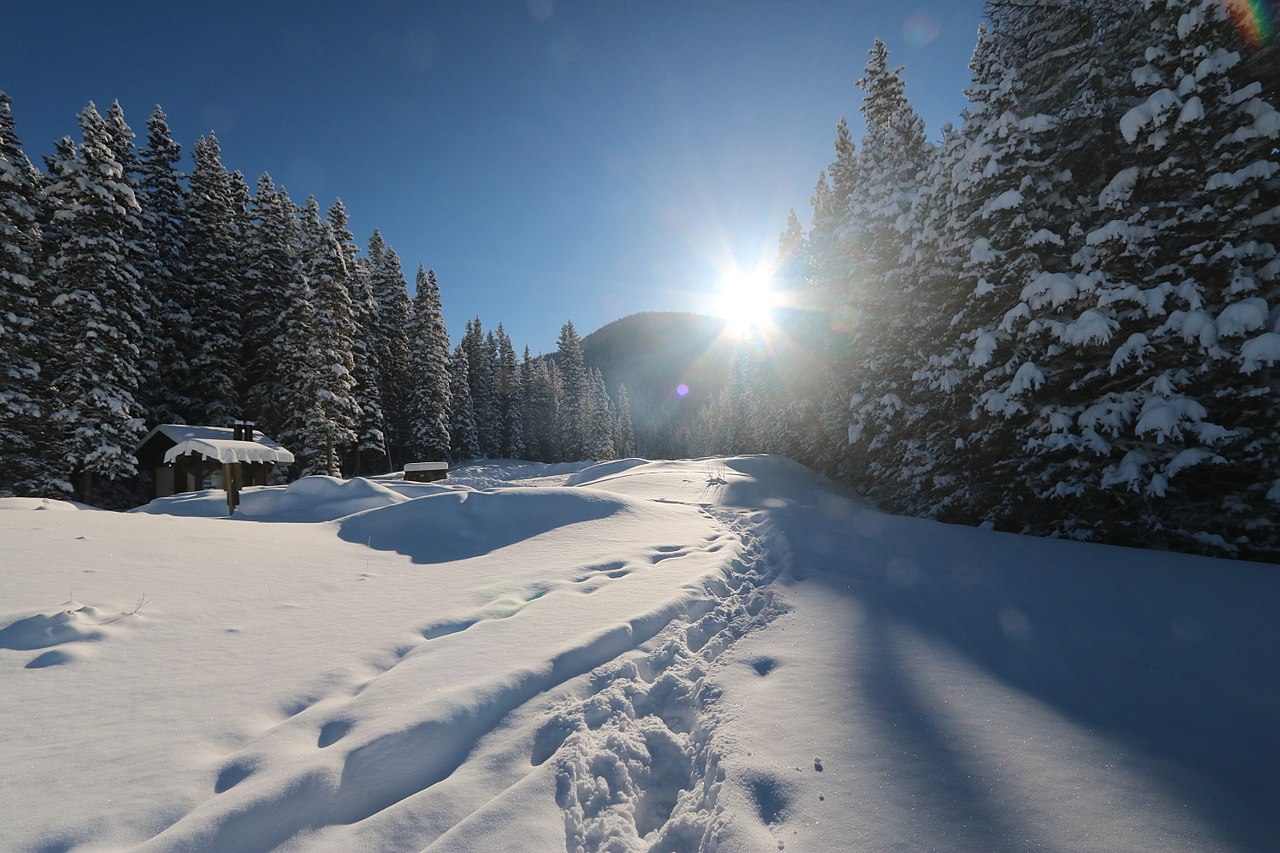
(426, 466)
(218, 443)
(228, 450)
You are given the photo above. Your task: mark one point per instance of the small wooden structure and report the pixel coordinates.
(188, 458)
(425, 472)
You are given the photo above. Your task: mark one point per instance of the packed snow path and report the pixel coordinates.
(707, 655)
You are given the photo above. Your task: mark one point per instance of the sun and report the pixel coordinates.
(746, 299)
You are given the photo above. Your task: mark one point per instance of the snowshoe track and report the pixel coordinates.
(635, 766)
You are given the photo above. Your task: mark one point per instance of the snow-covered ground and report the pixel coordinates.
(704, 655)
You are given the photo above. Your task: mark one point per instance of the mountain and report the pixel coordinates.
(655, 353)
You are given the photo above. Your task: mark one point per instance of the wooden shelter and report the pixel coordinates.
(187, 458)
(425, 472)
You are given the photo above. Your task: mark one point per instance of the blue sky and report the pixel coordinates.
(551, 160)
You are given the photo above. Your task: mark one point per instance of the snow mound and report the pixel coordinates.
(603, 469)
(44, 629)
(310, 499)
(461, 524)
(42, 503)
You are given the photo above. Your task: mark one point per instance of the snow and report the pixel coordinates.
(1091, 327)
(226, 451)
(1240, 318)
(426, 466)
(715, 654)
(219, 444)
(1262, 350)
(1150, 111)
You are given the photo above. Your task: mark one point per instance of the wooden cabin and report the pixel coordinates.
(187, 458)
(425, 472)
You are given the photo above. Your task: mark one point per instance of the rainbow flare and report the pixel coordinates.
(1256, 19)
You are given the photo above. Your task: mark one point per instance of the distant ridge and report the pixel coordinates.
(653, 353)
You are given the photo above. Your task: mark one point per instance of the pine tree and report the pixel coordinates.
(1181, 265)
(94, 314)
(483, 382)
(600, 423)
(291, 404)
(394, 308)
(575, 405)
(371, 443)
(273, 279)
(25, 357)
(462, 416)
(212, 262)
(334, 428)
(890, 168)
(509, 399)
(431, 397)
(164, 276)
(624, 436)
(545, 396)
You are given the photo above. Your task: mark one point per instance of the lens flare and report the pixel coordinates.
(920, 29)
(682, 390)
(1256, 19)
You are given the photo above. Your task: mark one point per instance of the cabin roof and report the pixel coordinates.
(215, 443)
(426, 466)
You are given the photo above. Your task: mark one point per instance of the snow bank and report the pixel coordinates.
(309, 499)
(43, 503)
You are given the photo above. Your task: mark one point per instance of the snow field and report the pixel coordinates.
(708, 655)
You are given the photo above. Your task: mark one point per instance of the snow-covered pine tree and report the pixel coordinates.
(529, 406)
(370, 451)
(165, 278)
(25, 354)
(575, 404)
(483, 381)
(1012, 210)
(273, 279)
(431, 385)
(509, 399)
(923, 450)
(138, 255)
(1186, 270)
(334, 428)
(212, 263)
(394, 308)
(93, 327)
(296, 402)
(624, 434)
(602, 415)
(546, 396)
(883, 341)
(462, 414)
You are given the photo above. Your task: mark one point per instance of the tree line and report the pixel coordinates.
(1063, 318)
(132, 295)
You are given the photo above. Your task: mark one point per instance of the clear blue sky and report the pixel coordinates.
(551, 160)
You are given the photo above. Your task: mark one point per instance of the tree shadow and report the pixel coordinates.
(461, 525)
(1171, 657)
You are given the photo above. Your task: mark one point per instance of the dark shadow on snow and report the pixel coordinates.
(1164, 654)
(464, 524)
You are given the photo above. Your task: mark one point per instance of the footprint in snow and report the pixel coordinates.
(763, 665)
(332, 732)
(233, 774)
